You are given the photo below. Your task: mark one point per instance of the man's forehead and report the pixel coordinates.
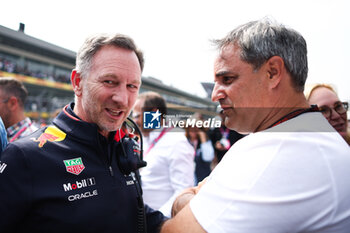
(116, 56)
(228, 58)
(230, 51)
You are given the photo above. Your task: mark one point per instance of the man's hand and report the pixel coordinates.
(184, 221)
(184, 198)
(219, 146)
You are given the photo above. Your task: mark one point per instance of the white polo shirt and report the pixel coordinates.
(294, 177)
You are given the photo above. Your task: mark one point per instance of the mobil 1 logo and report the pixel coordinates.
(79, 184)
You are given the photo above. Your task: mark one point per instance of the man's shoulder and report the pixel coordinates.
(39, 138)
(304, 140)
(308, 122)
(28, 135)
(22, 149)
(29, 130)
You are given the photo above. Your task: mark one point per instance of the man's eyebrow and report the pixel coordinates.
(222, 73)
(136, 81)
(109, 76)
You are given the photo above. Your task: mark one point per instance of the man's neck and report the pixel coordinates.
(17, 119)
(282, 110)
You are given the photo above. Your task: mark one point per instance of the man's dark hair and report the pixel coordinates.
(153, 100)
(13, 87)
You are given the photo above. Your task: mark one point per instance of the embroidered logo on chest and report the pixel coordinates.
(74, 166)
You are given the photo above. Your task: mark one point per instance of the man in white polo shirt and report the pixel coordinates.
(291, 174)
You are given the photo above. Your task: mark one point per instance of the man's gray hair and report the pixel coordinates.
(260, 40)
(93, 43)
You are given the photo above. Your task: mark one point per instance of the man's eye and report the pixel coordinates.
(132, 86)
(228, 79)
(108, 82)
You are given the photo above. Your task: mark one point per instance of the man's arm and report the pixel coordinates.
(154, 219)
(183, 222)
(185, 196)
(183, 219)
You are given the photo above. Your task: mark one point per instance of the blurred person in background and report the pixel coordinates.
(3, 136)
(290, 173)
(325, 97)
(169, 156)
(79, 174)
(13, 96)
(222, 138)
(203, 151)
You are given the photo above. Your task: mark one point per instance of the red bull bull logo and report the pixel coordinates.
(51, 134)
(74, 166)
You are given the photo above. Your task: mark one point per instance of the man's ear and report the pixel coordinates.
(76, 82)
(12, 103)
(275, 67)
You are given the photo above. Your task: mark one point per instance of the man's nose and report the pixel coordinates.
(218, 93)
(120, 95)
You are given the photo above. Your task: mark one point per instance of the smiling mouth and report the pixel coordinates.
(114, 113)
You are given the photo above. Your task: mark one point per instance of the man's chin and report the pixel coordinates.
(110, 126)
(231, 123)
(237, 127)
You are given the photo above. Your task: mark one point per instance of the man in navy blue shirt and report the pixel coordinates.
(70, 176)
